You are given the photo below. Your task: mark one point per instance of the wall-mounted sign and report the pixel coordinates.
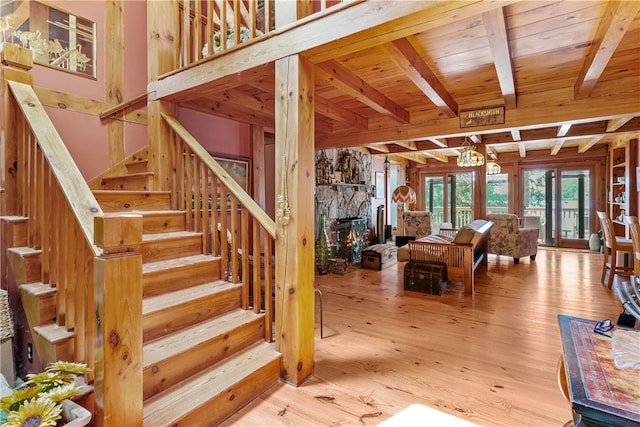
(482, 117)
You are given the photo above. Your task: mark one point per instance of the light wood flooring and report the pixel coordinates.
(488, 358)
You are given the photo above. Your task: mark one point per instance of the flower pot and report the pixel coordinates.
(74, 415)
(594, 242)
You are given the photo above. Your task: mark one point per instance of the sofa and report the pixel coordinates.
(508, 238)
(462, 251)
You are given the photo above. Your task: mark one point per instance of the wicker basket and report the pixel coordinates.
(6, 323)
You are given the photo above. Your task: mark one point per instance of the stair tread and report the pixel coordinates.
(157, 212)
(24, 250)
(199, 389)
(160, 302)
(38, 288)
(54, 333)
(169, 264)
(169, 235)
(128, 175)
(129, 192)
(190, 337)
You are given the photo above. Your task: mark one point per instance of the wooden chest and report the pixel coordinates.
(379, 256)
(429, 278)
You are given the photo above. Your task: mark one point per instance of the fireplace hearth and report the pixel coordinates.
(351, 238)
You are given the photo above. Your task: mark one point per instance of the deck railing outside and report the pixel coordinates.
(570, 229)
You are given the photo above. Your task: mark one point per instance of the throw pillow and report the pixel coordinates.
(464, 235)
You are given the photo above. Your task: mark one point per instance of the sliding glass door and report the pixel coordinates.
(449, 198)
(557, 200)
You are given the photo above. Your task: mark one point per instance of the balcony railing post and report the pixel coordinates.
(118, 321)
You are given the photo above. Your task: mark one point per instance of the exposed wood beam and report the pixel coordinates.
(439, 143)
(477, 139)
(347, 81)
(441, 157)
(553, 114)
(585, 145)
(323, 125)
(491, 152)
(496, 27)
(616, 124)
(522, 149)
(416, 157)
(563, 129)
(515, 134)
(412, 64)
(378, 147)
(557, 146)
(613, 27)
(410, 145)
(335, 112)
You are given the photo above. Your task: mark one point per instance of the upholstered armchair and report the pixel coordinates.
(416, 223)
(507, 238)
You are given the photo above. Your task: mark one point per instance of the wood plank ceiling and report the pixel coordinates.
(567, 73)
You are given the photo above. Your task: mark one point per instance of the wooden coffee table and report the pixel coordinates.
(601, 394)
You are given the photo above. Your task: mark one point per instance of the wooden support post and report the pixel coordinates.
(118, 303)
(162, 54)
(295, 180)
(114, 70)
(16, 63)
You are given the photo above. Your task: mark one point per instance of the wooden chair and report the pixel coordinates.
(629, 293)
(612, 245)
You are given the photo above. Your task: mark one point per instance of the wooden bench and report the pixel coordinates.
(462, 255)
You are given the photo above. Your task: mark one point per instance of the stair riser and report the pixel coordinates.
(39, 302)
(189, 313)
(159, 250)
(115, 201)
(137, 167)
(165, 223)
(181, 277)
(232, 399)
(25, 264)
(140, 183)
(161, 376)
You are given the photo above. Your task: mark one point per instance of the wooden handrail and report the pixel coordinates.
(82, 201)
(111, 111)
(254, 209)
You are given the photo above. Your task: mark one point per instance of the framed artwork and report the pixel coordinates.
(379, 185)
(238, 167)
(57, 38)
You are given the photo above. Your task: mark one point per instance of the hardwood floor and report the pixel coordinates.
(489, 359)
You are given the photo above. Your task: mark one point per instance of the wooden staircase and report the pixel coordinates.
(204, 356)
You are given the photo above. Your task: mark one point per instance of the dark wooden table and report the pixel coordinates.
(601, 394)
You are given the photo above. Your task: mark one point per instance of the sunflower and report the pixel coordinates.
(49, 380)
(69, 367)
(40, 412)
(60, 393)
(14, 400)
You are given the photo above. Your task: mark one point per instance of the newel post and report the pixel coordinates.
(118, 302)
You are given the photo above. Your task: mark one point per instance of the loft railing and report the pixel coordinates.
(233, 225)
(202, 25)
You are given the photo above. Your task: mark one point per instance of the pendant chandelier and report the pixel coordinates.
(469, 156)
(493, 168)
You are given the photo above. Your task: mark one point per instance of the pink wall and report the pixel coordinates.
(217, 135)
(85, 134)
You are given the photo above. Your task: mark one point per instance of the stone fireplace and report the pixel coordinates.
(343, 193)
